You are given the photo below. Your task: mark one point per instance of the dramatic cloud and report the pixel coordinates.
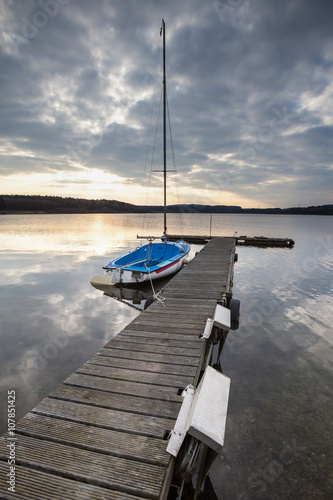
(250, 96)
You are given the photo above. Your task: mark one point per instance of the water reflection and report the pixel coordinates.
(279, 420)
(52, 321)
(280, 367)
(134, 296)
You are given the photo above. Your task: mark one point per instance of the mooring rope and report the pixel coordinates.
(157, 296)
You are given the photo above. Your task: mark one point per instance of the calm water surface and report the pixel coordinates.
(279, 438)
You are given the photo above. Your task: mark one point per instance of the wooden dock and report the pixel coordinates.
(102, 434)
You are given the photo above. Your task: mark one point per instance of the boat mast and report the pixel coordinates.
(164, 130)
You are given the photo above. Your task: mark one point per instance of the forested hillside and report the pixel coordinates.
(57, 204)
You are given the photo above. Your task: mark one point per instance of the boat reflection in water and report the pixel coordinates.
(135, 296)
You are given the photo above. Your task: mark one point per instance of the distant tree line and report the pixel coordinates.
(319, 210)
(227, 209)
(57, 204)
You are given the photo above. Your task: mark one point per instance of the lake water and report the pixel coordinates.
(278, 437)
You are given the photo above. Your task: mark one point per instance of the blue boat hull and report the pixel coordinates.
(151, 261)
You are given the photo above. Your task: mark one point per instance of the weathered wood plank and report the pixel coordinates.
(208, 273)
(198, 277)
(143, 365)
(174, 318)
(189, 294)
(179, 316)
(195, 288)
(116, 401)
(150, 357)
(176, 315)
(195, 285)
(124, 387)
(186, 303)
(185, 306)
(88, 466)
(176, 351)
(122, 444)
(163, 330)
(160, 341)
(184, 336)
(156, 379)
(106, 418)
(38, 485)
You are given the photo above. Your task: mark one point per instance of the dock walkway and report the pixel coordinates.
(102, 434)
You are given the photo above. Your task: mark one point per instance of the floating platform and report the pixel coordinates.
(103, 433)
(262, 241)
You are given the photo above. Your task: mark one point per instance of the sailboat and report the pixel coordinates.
(153, 260)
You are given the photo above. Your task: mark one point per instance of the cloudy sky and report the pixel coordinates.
(249, 92)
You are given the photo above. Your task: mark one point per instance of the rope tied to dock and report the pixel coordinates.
(157, 296)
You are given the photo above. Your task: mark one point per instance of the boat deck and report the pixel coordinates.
(102, 434)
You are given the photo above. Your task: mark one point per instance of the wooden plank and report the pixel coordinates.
(184, 304)
(160, 341)
(150, 357)
(143, 365)
(179, 308)
(115, 401)
(183, 321)
(156, 379)
(177, 325)
(195, 287)
(194, 284)
(177, 315)
(133, 423)
(124, 387)
(87, 437)
(88, 466)
(216, 270)
(156, 332)
(175, 351)
(194, 291)
(184, 336)
(181, 313)
(185, 293)
(199, 274)
(39, 485)
(177, 320)
(191, 289)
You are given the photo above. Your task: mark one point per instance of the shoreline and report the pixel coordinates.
(40, 212)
